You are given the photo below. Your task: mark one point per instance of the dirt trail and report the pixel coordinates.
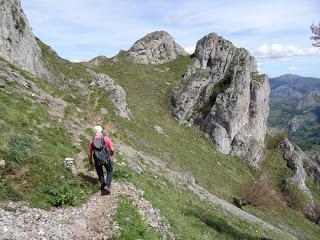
(92, 220)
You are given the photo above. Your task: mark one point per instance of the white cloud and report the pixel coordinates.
(284, 52)
(292, 69)
(190, 49)
(82, 29)
(168, 20)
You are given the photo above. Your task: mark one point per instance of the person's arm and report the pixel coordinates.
(109, 145)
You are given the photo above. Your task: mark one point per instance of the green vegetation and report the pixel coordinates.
(34, 146)
(307, 134)
(183, 148)
(189, 217)
(131, 224)
(275, 168)
(20, 148)
(149, 91)
(296, 198)
(259, 78)
(272, 140)
(66, 193)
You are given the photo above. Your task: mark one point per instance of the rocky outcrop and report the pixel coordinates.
(302, 166)
(17, 42)
(296, 159)
(117, 94)
(223, 93)
(155, 48)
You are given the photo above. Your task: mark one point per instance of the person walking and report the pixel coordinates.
(100, 154)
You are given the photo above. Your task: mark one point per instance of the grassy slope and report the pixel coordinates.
(33, 172)
(149, 89)
(189, 217)
(184, 148)
(277, 171)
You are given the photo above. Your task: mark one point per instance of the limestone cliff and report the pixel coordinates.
(155, 48)
(18, 45)
(223, 93)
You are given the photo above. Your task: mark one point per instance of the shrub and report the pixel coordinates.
(64, 194)
(296, 198)
(7, 191)
(259, 193)
(20, 148)
(272, 140)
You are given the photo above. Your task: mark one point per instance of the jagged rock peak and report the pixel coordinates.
(224, 94)
(155, 48)
(18, 45)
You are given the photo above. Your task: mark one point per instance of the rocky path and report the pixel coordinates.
(93, 220)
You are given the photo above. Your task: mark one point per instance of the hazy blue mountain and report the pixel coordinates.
(295, 107)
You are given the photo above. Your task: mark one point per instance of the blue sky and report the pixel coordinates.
(277, 32)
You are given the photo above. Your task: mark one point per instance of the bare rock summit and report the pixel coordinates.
(18, 45)
(224, 94)
(155, 48)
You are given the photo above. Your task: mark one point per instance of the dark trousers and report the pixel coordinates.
(99, 168)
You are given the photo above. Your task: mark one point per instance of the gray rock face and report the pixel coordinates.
(302, 166)
(17, 42)
(117, 94)
(155, 48)
(296, 159)
(223, 93)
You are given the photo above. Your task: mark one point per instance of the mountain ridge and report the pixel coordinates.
(186, 180)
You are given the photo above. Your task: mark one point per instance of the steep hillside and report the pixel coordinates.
(295, 107)
(170, 182)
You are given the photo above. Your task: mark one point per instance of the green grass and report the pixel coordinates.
(149, 91)
(191, 218)
(277, 172)
(132, 226)
(34, 146)
(183, 148)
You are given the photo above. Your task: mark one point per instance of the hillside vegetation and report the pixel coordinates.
(38, 176)
(294, 107)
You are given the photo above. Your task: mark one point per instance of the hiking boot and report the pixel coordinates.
(104, 192)
(108, 190)
(102, 186)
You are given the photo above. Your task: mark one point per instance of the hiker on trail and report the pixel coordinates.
(100, 154)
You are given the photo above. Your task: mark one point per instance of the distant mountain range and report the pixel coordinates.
(295, 106)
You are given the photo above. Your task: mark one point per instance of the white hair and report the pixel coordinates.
(97, 129)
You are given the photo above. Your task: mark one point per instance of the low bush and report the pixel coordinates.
(296, 198)
(272, 140)
(64, 194)
(20, 149)
(259, 193)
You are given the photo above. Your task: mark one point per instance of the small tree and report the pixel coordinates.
(316, 31)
